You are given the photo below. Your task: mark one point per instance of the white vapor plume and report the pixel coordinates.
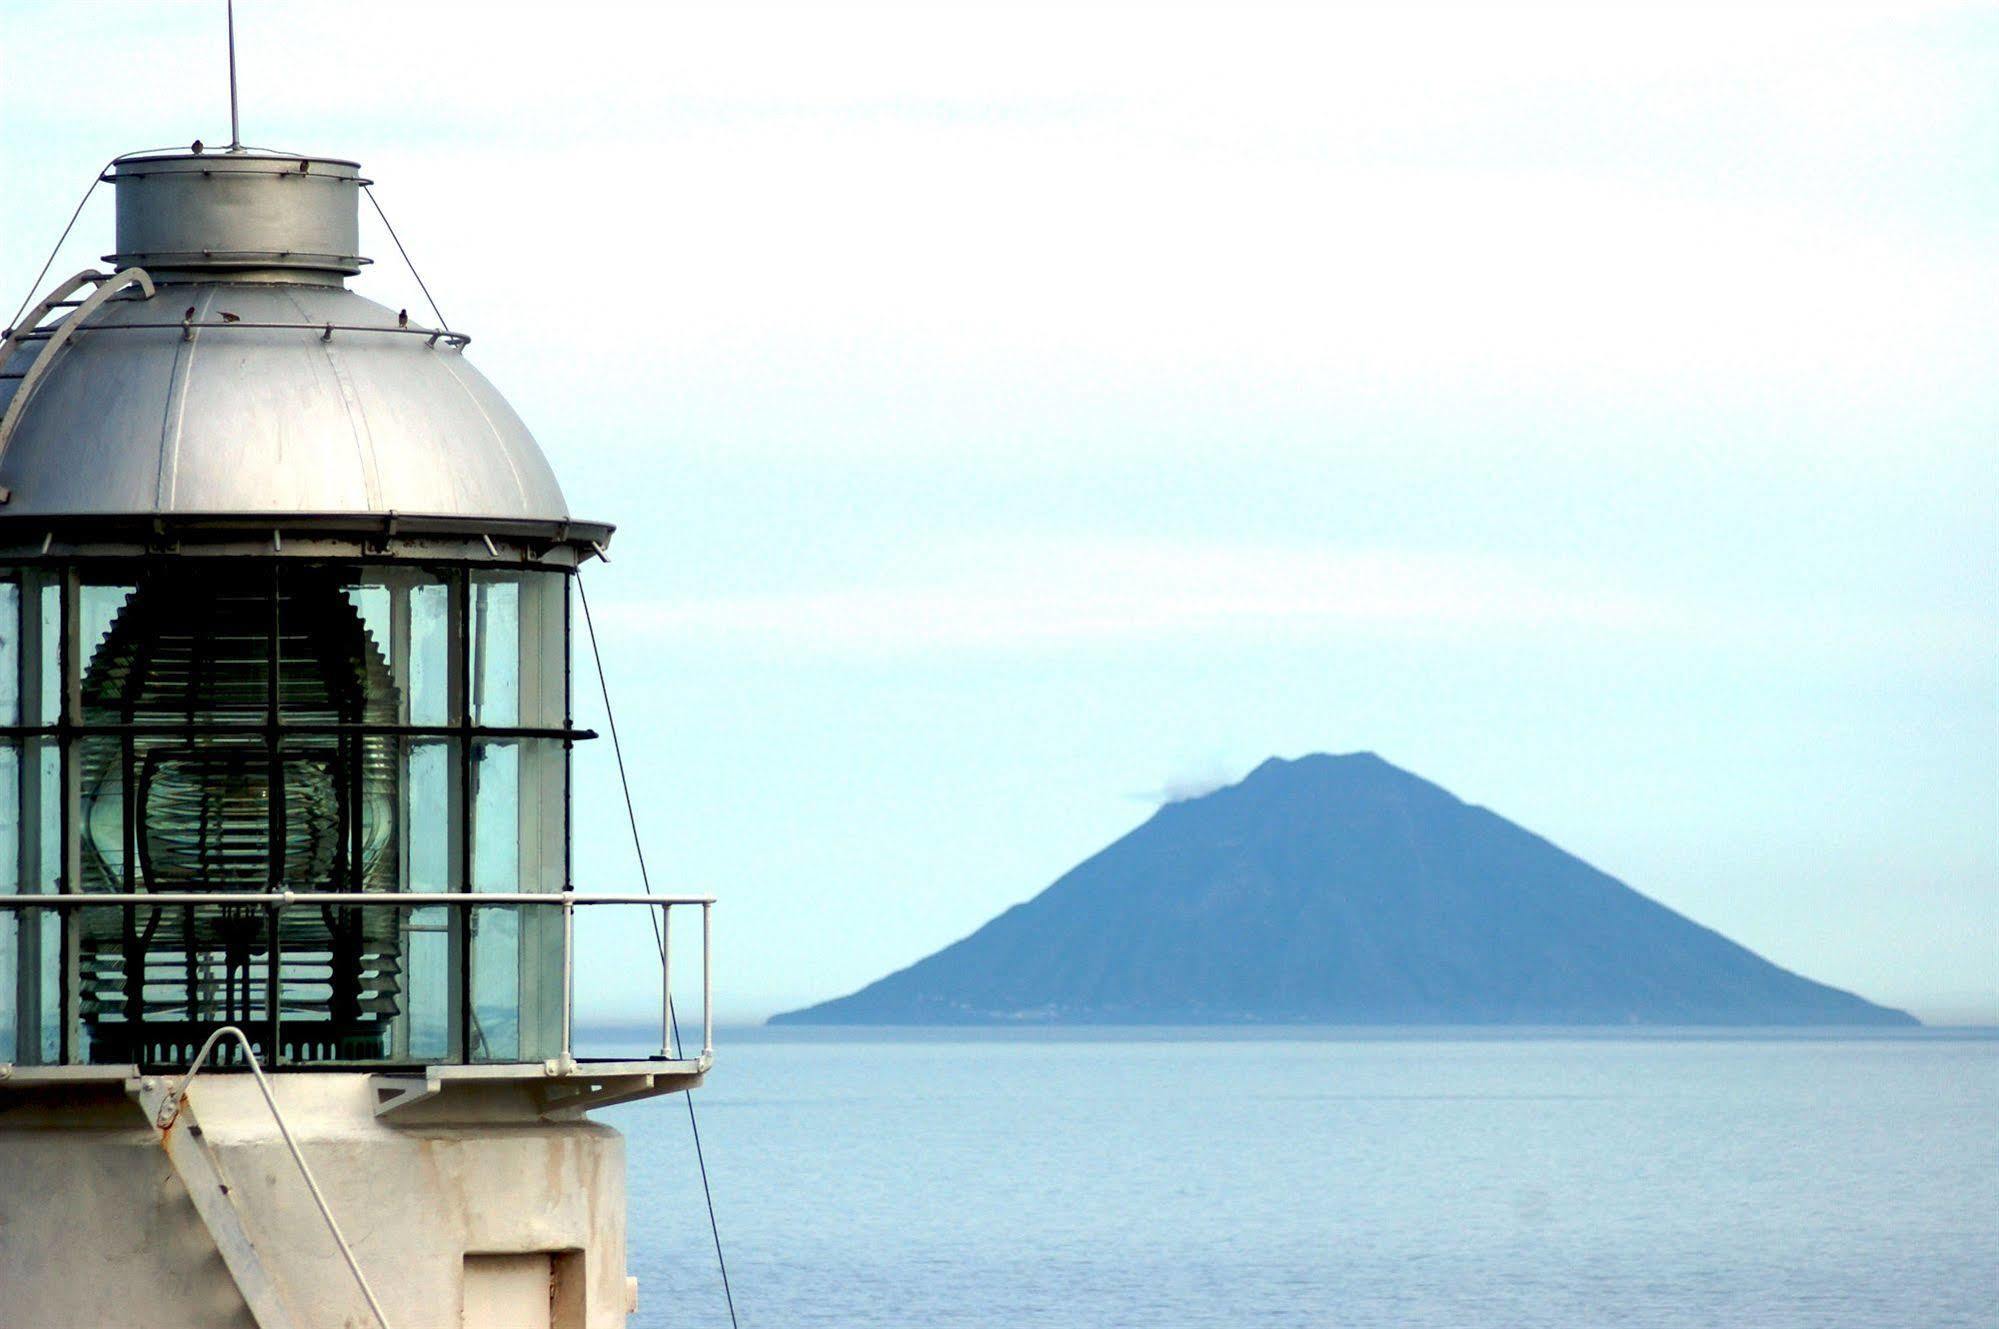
(1184, 786)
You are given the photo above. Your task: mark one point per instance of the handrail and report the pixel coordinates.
(108, 285)
(277, 901)
(58, 298)
(169, 1110)
(385, 899)
(304, 728)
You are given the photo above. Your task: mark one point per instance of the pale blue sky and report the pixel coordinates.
(1011, 413)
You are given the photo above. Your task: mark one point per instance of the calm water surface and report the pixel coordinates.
(867, 1178)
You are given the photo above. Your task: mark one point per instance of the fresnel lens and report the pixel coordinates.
(246, 757)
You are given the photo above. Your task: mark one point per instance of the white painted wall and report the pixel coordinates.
(96, 1229)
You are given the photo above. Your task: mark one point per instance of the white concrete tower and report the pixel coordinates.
(285, 732)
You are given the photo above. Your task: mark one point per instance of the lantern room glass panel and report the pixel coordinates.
(31, 1005)
(517, 846)
(10, 877)
(257, 726)
(10, 650)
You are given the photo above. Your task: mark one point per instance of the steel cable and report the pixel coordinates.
(638, 848)
(442, 321)
(49, 262)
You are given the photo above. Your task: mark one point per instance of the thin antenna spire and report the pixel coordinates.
(235, 133)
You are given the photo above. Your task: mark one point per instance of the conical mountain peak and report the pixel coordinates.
(1342, 890)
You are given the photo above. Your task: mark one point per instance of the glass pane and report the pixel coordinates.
(496, 984)
(404, 614)
(10, 816)
(426, 1033)
(431, 850)
(10, 651)
(38, 1038)
(544, 808)
(542, 978)
(155, 981)
(517, 846)
(374, 603)
(333, 662)
(187, 645)
(544, 652)
(10, 970)
(342, 978)
(47, 679)
(519, 665)
(98, 608)
(33, 854)
(41, 870)
(516, 982)
(518, 811)
(496, 823)
(429, 669)
(496, 649)
(10, 921)
(430, 825)
(41, 808)
(108, 855)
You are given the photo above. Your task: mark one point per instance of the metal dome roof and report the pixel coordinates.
(228, 372)
(138, 415)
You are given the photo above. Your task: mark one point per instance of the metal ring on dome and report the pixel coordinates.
(459, 340)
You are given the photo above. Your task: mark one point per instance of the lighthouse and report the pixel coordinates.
(287, 943)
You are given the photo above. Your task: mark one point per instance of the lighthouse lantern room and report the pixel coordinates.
(286, 902)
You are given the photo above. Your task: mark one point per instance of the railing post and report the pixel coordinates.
(707, 985)
(666, 982)
(568, 976)
(274, 941)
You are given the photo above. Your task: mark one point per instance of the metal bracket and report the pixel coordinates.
(561, 1087)
(167, 1110)
(396, 1092)
(587, 1093)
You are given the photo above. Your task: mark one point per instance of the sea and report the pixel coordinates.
(1077, 1179)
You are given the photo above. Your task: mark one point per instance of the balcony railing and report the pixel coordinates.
(284, 992)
